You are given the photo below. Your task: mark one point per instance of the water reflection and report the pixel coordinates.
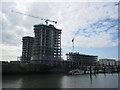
(61, 81)
(12, 81)
(91, 79)
(42, 81)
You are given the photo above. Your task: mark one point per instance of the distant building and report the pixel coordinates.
(117, 63)
(14, 62)
(82, 59)
(4, 62)
(107, 62)
(47, 43)
(27, 44)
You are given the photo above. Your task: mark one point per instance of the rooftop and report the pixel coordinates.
(77, 53)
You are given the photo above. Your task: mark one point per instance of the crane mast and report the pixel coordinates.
(46, 20)
(73, 41)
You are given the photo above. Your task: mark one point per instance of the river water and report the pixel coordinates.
(60, 81)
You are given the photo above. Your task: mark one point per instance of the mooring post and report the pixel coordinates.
(90, 70)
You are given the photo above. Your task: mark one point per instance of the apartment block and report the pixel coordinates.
(27, 44)
(47, 43)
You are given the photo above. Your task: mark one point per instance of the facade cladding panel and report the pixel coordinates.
(47, 43)
(82, 59)
(27, 48)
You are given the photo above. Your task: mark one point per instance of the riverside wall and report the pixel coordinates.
(32, 68)
(20, 68)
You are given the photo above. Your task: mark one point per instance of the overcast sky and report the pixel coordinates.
(95, 25)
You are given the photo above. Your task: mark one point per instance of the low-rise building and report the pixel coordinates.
(117, 63)
(14, 62)
(4, 62)
(107, 62)
(82, 59)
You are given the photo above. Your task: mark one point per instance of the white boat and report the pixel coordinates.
(76, 72)
(88, 72)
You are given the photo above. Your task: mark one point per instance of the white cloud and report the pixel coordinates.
(71, 16)
(10, 52)
(100, 40)
(60, 1)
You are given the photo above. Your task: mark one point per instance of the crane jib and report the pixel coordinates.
(46, 20)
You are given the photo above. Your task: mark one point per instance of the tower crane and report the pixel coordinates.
(73, 40)
(73, 43)
(46, 20)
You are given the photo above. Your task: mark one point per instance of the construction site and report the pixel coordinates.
(45, 49)
(45, 46)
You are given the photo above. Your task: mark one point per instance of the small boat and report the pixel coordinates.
(76, 72)
(88, 72)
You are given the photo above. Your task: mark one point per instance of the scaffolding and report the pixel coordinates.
(27, 49)
(47, 43)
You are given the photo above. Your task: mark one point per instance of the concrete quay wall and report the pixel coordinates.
(32, 68)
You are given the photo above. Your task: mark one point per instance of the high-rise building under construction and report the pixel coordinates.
(27, 49)
(47, 43)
